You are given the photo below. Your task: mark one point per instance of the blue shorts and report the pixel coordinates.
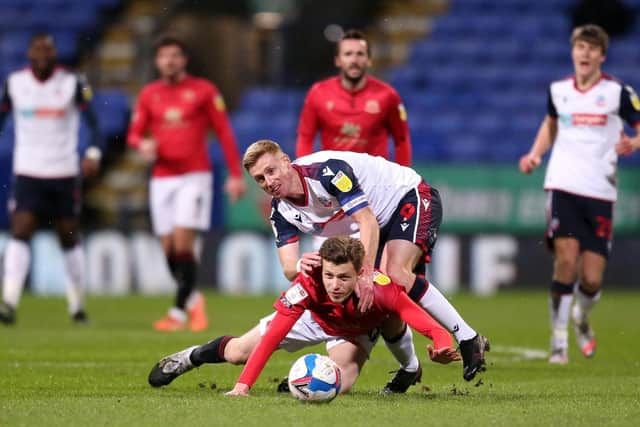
(417, 219)
(46, 197)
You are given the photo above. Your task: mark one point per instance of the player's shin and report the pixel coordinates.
(561, 295)
(185, 275)
(74, 262)
(17, 257)
(211, 352)
(430, 298)
(402, 348)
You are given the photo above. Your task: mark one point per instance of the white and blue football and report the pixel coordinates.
(314, 378)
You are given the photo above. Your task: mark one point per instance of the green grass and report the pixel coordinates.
(56, 374)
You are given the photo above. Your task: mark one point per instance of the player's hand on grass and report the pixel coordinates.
(235, 187)
(443, 355)
(308, 262)
(147, 149)
(239, 390)
(529, 162)
(364, 289)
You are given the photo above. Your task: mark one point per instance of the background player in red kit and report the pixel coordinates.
(354, 111)
(319, 307)
(178, 110)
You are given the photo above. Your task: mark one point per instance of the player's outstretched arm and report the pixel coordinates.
(442, 351)
(276, 331)
(545, 137)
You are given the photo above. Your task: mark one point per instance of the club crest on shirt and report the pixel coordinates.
(601, 101)
(372, 107)
(324, 202)
(342, 182)
(381, 279)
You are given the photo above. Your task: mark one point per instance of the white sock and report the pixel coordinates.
(74, 262)
(586, 302)
(17, 257)
(442, 310)
(560, 321)
(404, 351)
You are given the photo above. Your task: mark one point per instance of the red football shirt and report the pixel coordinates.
(359, 121)
(339, 319)
(178, 116)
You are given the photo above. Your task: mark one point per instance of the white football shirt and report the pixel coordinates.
(47, 119)
(337, 184)
(583, 159)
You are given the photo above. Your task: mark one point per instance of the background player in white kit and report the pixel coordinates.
(46, 101)
(584, 124)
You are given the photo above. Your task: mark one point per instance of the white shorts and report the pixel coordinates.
(306, 332)
(181, 201)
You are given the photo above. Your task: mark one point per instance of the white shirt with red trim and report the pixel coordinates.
(47, 119)
(583, 160)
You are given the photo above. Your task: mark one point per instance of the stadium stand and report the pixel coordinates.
(475, 88)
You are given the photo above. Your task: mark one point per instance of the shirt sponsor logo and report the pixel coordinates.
(380, 278)
(173, 115)
(188, 95)
(43, 113)
(403, 112)
(585, 119)
(372, 107)
(295, 294)
(342, 182)
(350, 129)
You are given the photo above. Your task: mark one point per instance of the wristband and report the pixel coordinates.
(299, 265)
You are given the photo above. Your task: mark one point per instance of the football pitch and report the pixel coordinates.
(53, 373)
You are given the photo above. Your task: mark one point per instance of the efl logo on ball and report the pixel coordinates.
(314, 378)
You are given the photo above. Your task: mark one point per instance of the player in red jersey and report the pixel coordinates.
(354, 111)
(178, 110)
(319, 307)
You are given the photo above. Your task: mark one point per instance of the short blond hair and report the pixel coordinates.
(592, 34)
(257, 150)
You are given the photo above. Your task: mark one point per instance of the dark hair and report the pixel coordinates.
(353, 34)
(171, 40)
(343, 249)
(41, 35)
(592, 34)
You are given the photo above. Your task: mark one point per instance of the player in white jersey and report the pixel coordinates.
(46, 102)
(584, 124)
(331, 193)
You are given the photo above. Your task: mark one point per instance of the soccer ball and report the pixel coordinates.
(314, 378)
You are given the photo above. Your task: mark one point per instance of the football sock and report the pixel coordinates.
(403, 350)
(74, 263)
(559, 307)
(586, 300)
(17, 257)
(211, 352)
(441, 309)
(185, 275)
